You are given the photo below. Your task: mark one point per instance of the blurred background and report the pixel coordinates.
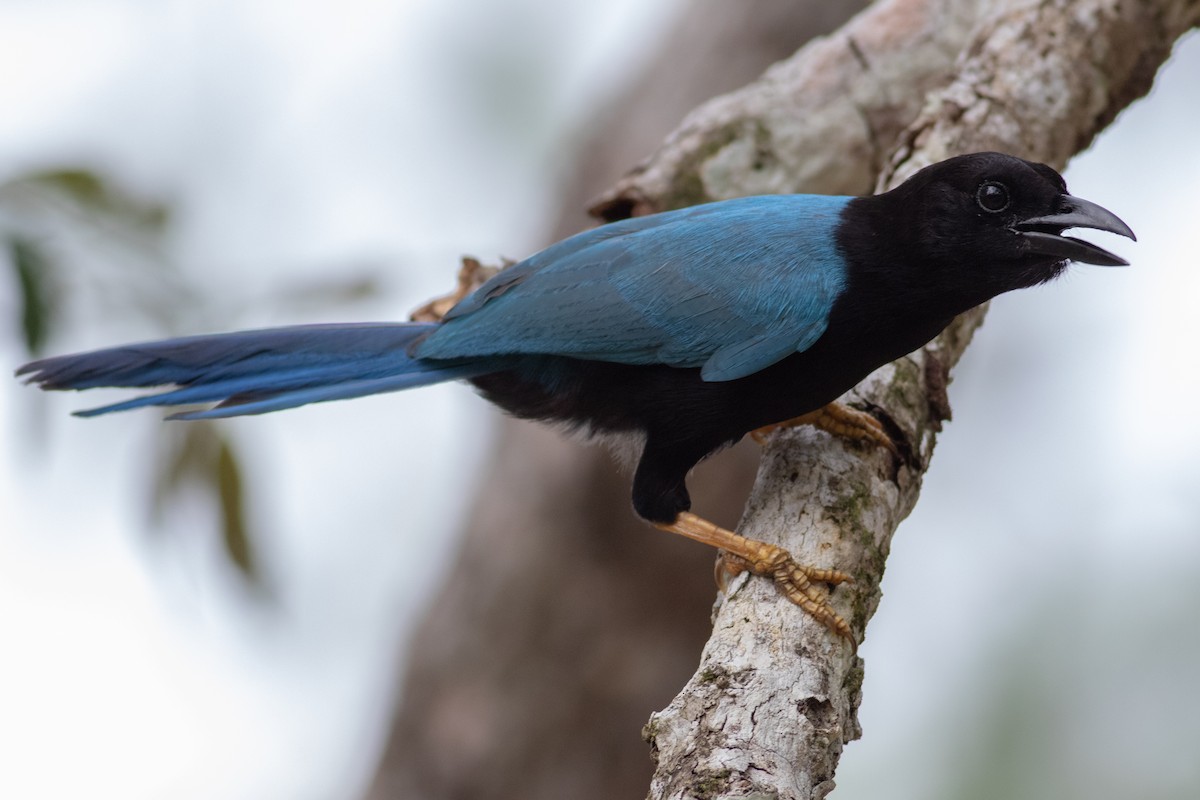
(224, 611)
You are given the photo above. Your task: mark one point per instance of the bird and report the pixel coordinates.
(682, 331)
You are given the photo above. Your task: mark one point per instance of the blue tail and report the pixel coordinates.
(253, 372)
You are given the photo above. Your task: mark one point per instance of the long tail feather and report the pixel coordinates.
(254, 372)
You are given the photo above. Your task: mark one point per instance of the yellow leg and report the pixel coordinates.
(839, 420)
(796, 581)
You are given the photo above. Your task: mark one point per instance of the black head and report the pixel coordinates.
(991, 223)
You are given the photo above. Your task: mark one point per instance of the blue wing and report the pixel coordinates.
(731, 287)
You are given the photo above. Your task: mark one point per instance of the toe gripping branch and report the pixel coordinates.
(838, 420)
(796, 581)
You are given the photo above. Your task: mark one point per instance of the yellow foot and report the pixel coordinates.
(839, 420)
(797, 581)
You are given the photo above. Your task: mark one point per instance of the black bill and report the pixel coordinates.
(1044, 234)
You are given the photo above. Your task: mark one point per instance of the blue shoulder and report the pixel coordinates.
(731, 287)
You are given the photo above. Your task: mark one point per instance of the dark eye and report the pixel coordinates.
(992, 196)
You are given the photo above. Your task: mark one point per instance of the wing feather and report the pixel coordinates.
(731, 287)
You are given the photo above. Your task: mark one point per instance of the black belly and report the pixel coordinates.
(659, 400)
(684, 418)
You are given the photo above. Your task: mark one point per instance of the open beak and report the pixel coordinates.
(1044, 234)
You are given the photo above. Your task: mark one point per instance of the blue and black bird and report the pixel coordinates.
(688, 329)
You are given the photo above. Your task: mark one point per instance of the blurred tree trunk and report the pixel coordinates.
(565, 620)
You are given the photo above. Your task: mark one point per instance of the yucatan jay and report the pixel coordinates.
(687, 329)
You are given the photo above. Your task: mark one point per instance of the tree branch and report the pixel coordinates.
(775, 697)
(822, 121)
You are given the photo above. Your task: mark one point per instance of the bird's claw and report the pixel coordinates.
(839, 420)
(739, 554)
(798, 582)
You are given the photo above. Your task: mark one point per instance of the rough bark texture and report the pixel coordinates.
(580, 619)
(823, 121)
(776, 697)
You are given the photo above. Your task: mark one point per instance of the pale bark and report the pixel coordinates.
(776, 696)
(822, 121)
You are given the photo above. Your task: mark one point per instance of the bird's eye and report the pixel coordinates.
(992, 197)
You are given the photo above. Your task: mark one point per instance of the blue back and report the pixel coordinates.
(731, 287)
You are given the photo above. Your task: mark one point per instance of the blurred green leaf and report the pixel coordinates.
(92, 191)
(329, 293)
(228, 480)
(33, 270)
(180, 457)
(112, 259)
(198, 457)
(86, 187)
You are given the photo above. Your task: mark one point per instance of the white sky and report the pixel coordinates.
(293, 136)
